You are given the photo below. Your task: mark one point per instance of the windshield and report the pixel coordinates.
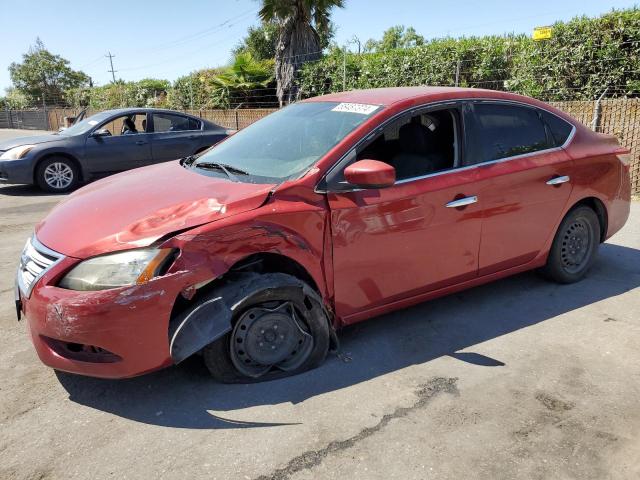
(85, 125)
(286, 143)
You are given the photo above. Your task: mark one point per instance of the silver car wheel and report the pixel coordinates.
(58, 175)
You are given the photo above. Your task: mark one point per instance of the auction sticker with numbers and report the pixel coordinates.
(361, 108)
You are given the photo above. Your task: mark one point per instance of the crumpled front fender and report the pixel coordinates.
(195, 329)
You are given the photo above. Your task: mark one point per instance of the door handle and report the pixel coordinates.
(462, 202)
(558, 180)
(141, 142)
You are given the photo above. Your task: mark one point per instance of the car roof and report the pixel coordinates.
(145, 109)
(391, 95)
(124, 111)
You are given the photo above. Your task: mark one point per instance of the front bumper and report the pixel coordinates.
(16, 171)
(114, 333)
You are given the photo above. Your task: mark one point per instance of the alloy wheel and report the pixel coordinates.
(58, 175)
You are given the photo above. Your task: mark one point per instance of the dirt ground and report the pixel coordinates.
(519, 379)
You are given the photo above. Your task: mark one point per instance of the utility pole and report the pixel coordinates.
(113, 72)
(191, 91)
(344, 70)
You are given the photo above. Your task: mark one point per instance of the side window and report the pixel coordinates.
(559, 129)
(416, 146)
(501, 131)
(166, 122)
(127, 124)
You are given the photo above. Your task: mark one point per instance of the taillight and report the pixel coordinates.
(625, 158)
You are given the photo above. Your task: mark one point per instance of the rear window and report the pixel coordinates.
(559, 130)
(502, 131)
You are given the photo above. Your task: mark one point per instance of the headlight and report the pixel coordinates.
(133, 267)
(16, 153)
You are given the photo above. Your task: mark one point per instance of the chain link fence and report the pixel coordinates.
(617, 116)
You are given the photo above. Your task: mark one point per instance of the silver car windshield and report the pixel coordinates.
(286, 143)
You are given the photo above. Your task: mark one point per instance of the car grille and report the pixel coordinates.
(35, 260)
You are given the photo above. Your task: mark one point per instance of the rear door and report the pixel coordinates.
(123, 149)
(174, 136)
(524, 179)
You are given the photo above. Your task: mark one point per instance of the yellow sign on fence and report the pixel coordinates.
(542, 33)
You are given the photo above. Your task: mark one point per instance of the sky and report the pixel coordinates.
(168, 38)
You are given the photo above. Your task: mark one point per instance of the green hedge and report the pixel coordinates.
(584, 56)
(144, 93)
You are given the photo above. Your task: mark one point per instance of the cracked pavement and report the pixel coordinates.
(519, 379)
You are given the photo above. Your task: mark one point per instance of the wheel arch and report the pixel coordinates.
(600, 209)
(256, 263)
(269, 262)
(66, 155)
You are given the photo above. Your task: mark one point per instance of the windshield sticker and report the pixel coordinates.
(92, 122)
(360, 108)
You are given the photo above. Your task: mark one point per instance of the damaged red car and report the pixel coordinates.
(328, 212)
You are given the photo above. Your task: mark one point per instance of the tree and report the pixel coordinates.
(44, 76)
(237, 83)
(301, 24)
(394, 38)
(260, 42)
(13, 99)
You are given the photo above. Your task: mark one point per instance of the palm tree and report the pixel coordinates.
(237, 83)
(301, 23)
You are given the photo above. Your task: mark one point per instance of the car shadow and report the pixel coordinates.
(27, 191)
(183, 396)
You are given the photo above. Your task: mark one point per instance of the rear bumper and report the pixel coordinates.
(620, 205)
(115, 333)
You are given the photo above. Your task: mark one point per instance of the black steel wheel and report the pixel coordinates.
(270, 336)
(280, 328)
(574, 247)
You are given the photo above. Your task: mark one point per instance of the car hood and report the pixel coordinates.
(135, 208)
(16, 142)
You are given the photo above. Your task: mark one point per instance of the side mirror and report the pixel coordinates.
(370, 174)
(103, 132)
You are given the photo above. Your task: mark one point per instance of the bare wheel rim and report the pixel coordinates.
(58, 175)
(576, 245)
(270, 336)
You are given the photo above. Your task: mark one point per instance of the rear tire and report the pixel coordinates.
(574, 247)
(279, 328)
(57, 175)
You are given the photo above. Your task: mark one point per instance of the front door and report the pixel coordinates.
(419, 235)
(126, 146)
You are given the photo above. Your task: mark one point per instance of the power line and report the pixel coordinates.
(113, 72)
(234, 21)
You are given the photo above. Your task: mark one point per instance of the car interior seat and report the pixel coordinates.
(411, 159)
(420, 152)
(128, 126)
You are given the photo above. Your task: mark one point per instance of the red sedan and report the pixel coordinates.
(326, 213)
